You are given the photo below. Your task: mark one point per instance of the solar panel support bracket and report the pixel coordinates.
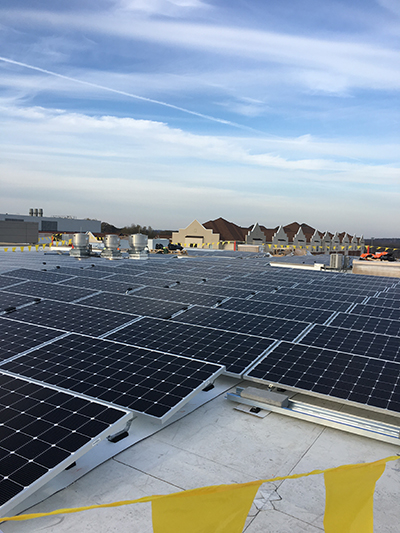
(343, 421)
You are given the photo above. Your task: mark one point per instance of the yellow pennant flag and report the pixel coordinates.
(6, 249)
(349, 497)
(37, 247)
(22, 248)
(29, 248)
(14, 248)
(218, 509)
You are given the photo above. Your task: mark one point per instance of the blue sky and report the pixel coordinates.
(161, 111)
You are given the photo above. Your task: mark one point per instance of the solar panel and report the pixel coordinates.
(185, 297)
(148, 382)
(305, 301)
(107, 285)
(330, 373)
(85, 273)
(9, 282)
(16, 337)
(71, 317)
(132, 304)
(289, 312)
(273, 328)
(354, 342)
(10, 301)
(52, 291)
(42, 432)
(25, 273)
(140, 278)
(206, 288)
(385, 300)
(310, 293)
(371, 324)
(233, 350)
(378, 311)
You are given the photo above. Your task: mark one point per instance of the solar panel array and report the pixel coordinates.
(146, 336)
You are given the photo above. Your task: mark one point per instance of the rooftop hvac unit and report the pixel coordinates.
(31, 212)
(336, 261)
(111, 247)
(36, 212)
(80, 245)
(40, 212)
(138, 246)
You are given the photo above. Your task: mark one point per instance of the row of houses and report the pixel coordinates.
(220, 233)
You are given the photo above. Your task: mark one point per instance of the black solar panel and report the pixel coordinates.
(371, 324)
(41, 429)
(9, 301)
(273, 328)
(289, 312)
(381, 301)
(167, 295)
(24, 273)
(119, 287)
(310, 293)
(378, 311)
(70, 317)
(159, 281)
(132, 304)
(9, 282)
(206, 288)
(84, 273)
(16, 337)
(233, 350)
(330, 373)
(302, 301)
(52, 291)
(149, 382)
(354, 342)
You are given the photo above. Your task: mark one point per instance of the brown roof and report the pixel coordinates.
(269, 232)
(291, 230)
(228, 231)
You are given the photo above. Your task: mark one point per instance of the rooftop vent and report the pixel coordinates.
(80, 245)
(138, 246)
(111, 247)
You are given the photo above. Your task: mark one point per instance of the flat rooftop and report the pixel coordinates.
(210, 441)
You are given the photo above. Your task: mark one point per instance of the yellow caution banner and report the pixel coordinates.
(223, 508)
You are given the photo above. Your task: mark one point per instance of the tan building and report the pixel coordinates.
(196, 236)
(223, 234)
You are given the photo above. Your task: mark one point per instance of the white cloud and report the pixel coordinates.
(124, 137)
(357, 64)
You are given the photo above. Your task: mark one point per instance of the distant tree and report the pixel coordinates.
(128, 230)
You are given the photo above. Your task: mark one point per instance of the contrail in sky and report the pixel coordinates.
(123, 93)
